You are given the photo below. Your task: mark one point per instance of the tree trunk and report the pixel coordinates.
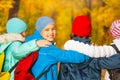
(103, 3)
(14, 11)
(88, 5)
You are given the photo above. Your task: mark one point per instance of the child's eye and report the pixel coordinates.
(53, 29)
(46, 29)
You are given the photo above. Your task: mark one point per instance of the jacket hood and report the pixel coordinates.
(9, 37)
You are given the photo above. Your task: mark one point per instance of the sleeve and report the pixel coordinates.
(66, 56)
(21, 50)
(90, 50)
(106, 63)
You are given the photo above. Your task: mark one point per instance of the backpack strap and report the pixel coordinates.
(39, 76)
(113, 72)
(13, 67)
(115, 47)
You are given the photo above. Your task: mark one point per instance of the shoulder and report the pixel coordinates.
(3, 46)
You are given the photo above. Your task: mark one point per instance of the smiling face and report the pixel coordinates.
(49, 32)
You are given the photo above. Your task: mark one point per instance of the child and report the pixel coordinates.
(49, 57)
(91, 50)
(13, 41)
(97, 51)
(91, 69)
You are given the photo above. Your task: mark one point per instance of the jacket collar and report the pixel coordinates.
(86, 41)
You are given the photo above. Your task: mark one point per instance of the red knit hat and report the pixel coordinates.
(81, 26)
(115, 29)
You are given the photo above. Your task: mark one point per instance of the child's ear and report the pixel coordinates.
(71, 35)
(63, 47)
(23, 33)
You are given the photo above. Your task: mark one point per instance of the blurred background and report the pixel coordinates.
(101, 12)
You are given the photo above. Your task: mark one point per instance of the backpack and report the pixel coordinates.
(2, 56)
(22, 71)
(5, 75)
(114, 73)
(23, 68)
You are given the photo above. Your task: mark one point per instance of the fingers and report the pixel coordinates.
(45, 46)
(43, 43)
(47, 42)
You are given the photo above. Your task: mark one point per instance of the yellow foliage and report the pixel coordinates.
(5, 5)
(63, 26)
(63, 12)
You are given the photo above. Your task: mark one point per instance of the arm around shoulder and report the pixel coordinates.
(90, 50)
(21, 50)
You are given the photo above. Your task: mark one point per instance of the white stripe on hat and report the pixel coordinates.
(115, 29)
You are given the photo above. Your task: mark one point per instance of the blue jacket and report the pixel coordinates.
(53, 55)
(89, 70)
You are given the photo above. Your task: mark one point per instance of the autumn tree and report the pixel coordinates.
(5, 5)
(14, 11)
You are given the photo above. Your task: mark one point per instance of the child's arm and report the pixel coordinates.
(21, 50)
(90, 50)
(66, 56)
(111, 62)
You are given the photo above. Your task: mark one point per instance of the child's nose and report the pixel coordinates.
(51, 31)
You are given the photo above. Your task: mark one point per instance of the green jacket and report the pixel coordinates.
(16, 50)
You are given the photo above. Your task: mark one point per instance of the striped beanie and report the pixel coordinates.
(115, 29)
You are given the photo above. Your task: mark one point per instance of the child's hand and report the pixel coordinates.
(43, 43)
(95, 44)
